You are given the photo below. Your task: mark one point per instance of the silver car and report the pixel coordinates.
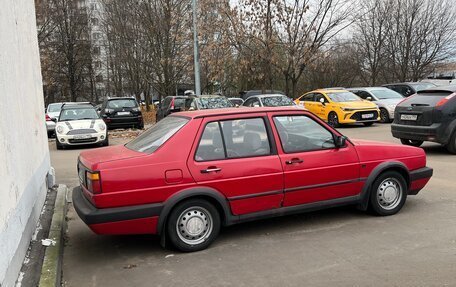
(52, 114)
(384, 98)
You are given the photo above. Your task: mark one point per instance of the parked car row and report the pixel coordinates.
(78, 123)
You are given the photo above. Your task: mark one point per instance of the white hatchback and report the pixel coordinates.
(80, 124)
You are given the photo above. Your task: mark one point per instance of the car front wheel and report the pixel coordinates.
(384, 116)
(388, 194)
(333, 120)
(451, 146)
(411, 142)
(193, 225)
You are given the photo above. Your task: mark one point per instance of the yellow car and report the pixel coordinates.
(339, 107)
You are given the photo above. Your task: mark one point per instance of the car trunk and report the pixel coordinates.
(420, 109)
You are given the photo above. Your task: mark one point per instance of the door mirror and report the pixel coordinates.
(322, 101)
(369, 98)
(341, 141)
(191, 108)
(256, 105)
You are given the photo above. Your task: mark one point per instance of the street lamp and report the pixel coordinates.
(195, 51)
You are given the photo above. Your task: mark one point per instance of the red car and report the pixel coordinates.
(194, 172)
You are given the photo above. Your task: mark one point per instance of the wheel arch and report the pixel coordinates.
(376, 172)
(213, 196)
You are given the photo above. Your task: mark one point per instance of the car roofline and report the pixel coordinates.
(240, 111)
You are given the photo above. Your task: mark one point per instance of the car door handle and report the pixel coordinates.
(211, 169)
(294, 160)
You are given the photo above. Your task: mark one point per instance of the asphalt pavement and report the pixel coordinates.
(335, 247)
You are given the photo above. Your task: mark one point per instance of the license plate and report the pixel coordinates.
(80, 137)
(123, 113)
(409, 117)
(367, 116)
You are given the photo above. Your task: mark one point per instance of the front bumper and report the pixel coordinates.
(419, 178)
(433, 133)
(138, 219)
(83, 139)
(356, 117)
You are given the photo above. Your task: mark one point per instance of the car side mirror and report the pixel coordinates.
(191, 109)
(256, 105)
(322, 101)
(341, 141)
(369, 98)
(236, 105)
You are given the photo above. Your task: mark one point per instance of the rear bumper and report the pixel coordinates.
(119, 122)
(433, 133)
(419, 178)
(138, 219)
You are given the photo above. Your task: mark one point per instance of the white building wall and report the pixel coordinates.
(24, 153)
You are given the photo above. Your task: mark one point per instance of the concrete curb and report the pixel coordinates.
(51, 272)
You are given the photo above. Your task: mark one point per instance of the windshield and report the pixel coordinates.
(53, 108)
(382, 94)
(343, 97)
(122, 103)
(213, 103)
(279, 101)
(153, 138)
(78, 114)
(422, 86)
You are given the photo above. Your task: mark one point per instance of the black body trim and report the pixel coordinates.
(92, 215)
(273, 192)
(425, 172)
(324, 184)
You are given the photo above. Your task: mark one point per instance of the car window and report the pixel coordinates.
(278, 101)
(383, 94)
(320, 96)
(245, 138)
(422, 86)
(154, 137)
(52, 108)
(363, 95)
(165, 104)
(122, 103)
(308, 98)
(213, 103)
(343, 97)
(301, 133)
(241, 138)
(78, 114)
(403, 90)
(211, 144)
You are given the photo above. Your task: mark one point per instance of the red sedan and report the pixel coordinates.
(194, 172)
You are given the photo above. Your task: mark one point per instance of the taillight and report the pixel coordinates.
(172, 104)
(444, 100)
(48, 118)
(93, 182)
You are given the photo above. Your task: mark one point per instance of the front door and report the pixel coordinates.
(238, 158)
(314, 169)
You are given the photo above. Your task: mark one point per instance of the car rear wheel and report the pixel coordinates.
(388, 194)
(411, 142)
(193, 225)
(384, 116)
(333, 120)
(451, 146)
(58, 145)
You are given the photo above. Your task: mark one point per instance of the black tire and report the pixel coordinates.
(333, 120)
(105, 142)
(388, 194)
(411, 142)
(141, 126)
(451, 145)
(203, 214)
(58, 145)
(368, 124)
(384, 116)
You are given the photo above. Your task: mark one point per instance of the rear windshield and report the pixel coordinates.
(213, 103)
(122, 103)
(425, 99)
(279, 101)
(153, 138)
(343, 97)
(52, 108)
(78, 114)
(422, 86)
(383, 94)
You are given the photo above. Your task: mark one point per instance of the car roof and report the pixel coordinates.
(269, 95)
(234, 111)
(209, 96)
(329, 91)
(121, 98)
(367, 88)
(77, 106)
(449, 88)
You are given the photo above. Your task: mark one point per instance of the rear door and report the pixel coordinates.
(314, 169)
(238, 157)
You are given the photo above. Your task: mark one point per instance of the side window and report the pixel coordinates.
(254, 102)
(245, 138)
(318, 98)
(166, 103)
(301, 133)
(308, 98)
(241, 138)
(363, 95)
(407, 91)
(248, 103)
(211, 144)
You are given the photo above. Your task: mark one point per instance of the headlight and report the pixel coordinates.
(59, 129)
(347, 109)
(135, 109)
(102, 126)
(108, 111)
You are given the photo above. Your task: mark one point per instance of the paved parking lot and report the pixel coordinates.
(337, 247)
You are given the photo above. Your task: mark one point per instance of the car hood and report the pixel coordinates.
(373, 150)
(358, 105)
(389, 101)
(93, 158)
(81, 124)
